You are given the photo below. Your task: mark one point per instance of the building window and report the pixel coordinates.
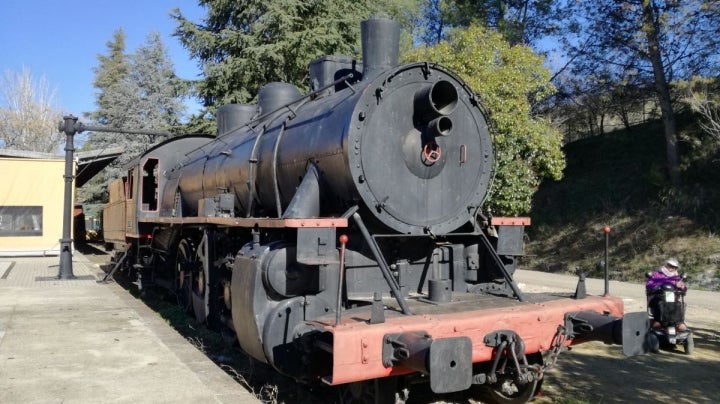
(21, 221)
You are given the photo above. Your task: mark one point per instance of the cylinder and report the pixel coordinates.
(439, 290)
(434, 100)
(380, 45)
(592, 326)
(440, 126)
(275, 95)
(233, 116)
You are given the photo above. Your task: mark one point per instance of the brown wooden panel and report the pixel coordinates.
(114, 222)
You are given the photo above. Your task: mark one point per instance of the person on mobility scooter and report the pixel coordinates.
(665, 290)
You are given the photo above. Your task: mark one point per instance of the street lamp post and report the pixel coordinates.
(70, 126)
(66, 269)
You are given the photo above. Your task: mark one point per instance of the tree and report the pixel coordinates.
(661, 40)
(137, 91)
(435, 22)
(241, 46)
(518, 21)
(110, 76)
(157, 91)
(701, 94)
(28, 115)
(508, 79)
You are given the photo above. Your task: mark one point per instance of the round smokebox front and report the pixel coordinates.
(420, 150)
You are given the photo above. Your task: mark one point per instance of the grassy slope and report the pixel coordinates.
(618, 180)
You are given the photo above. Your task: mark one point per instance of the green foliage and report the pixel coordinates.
(508, 79)
(618, 36)
(617, 180)
(157, 91)
(702, 96)
(241, 46)
(518, 21)
(136, 91)
(109, 75)
(651, 43)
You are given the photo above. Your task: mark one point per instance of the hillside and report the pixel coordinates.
(617, 180)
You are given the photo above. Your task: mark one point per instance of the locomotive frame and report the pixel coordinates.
(288, 230)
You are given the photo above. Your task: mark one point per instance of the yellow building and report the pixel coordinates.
(32, 191)
(31, 203)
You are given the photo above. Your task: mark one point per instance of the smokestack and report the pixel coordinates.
(380, 45)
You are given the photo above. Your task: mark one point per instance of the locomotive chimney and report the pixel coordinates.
(380, 45)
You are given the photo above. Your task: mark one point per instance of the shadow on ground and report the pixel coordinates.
(589, 373)
(597, 373)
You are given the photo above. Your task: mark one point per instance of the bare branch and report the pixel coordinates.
(28, 116)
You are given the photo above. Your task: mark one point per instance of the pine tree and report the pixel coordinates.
(137, 91)
(110, 76)
(240, 46)
(158, 91)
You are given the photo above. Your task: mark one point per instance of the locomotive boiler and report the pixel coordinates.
(340, 235)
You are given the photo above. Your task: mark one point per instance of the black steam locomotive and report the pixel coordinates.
(340, 234)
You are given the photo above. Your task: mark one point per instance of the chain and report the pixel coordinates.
(558, 346)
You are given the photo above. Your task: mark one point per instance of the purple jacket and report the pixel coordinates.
(658, 279)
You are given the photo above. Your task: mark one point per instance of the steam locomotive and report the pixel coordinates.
(340, 235)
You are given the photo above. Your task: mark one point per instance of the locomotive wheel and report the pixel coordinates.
(184, 255)
(199, 282)
(377, 391)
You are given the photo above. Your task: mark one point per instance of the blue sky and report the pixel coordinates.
(61, 39)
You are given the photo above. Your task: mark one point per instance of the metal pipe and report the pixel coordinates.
(81, 127)
(606, 230)
(341, 269)
(435, 100)
(66, 270)
(276, 147)
(592, 326)
(501, 267)
(394, 287)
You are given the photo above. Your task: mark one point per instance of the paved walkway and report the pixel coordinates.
(80, 341)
